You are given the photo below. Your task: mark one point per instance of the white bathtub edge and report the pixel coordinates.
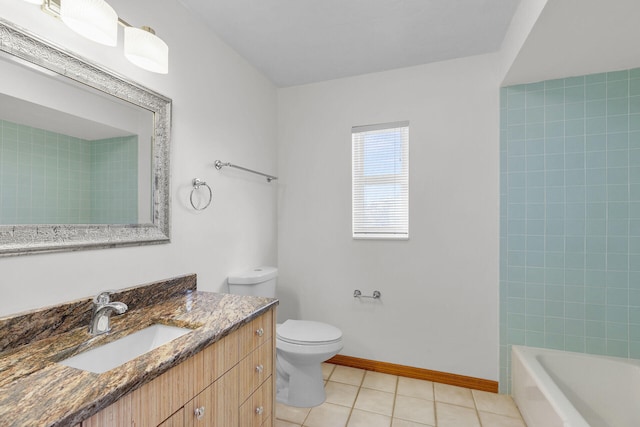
(563, 408)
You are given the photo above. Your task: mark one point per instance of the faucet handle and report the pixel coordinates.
(103, 298)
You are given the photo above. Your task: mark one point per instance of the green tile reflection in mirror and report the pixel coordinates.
(52, 178)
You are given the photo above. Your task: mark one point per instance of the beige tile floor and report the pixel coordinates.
(359, 398)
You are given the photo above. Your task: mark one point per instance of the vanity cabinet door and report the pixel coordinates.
(217, 359)
(117, 414)
(217, 405)
(155, 401)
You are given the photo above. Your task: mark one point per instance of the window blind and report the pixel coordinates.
(380, 181)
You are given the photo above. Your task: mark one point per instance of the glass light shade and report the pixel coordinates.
(93, 19)
(146, 50)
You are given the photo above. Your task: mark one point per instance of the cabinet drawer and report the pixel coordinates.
(254, 369)
(255, 333)
(257, 408)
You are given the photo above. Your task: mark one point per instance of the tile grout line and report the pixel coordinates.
(395, 397)
(355, 399)
(475, 405)
(435, 407)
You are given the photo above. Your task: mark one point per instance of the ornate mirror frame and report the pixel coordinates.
(25, 239)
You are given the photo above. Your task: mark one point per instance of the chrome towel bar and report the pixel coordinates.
(219, 165)
(358, 294)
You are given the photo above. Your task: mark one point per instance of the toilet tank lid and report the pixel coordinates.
(253, 276)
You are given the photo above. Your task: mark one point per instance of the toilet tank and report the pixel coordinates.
(259, 281)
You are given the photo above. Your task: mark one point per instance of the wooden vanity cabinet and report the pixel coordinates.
(227, 384)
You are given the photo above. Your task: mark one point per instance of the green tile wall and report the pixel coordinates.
(47, 177)
(114, 180)
(570, 216)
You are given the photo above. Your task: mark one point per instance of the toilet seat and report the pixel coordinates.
(307, 332)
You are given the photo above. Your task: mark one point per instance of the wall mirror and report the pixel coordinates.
(84, 152)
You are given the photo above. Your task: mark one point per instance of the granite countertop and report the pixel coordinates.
(37, 391)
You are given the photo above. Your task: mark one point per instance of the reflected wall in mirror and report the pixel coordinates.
(84, 153)
(56, 168)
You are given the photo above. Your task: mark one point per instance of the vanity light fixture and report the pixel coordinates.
(97, 21)
(146, 50)
(93, 19)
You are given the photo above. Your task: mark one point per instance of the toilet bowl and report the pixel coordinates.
(301, 345)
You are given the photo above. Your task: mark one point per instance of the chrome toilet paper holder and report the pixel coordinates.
(358, 294)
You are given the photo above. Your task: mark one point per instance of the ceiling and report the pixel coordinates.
(579, 37)
(296, 42)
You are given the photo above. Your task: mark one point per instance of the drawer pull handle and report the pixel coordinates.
(260, 332)
(259, 369)
(259, 410)
(199, 412)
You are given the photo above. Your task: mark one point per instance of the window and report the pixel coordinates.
(380, 183)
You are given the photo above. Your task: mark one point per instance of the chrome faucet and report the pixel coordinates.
(102, 310)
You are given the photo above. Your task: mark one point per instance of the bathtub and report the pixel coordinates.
(564, 389)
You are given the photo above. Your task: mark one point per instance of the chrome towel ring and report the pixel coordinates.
(196, 185)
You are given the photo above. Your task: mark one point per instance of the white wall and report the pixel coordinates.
(222, 109)
(439, 306)
(523, 21)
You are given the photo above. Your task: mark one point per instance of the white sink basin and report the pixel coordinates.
(111, 355)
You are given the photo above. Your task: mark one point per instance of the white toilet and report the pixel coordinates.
(301, 345)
